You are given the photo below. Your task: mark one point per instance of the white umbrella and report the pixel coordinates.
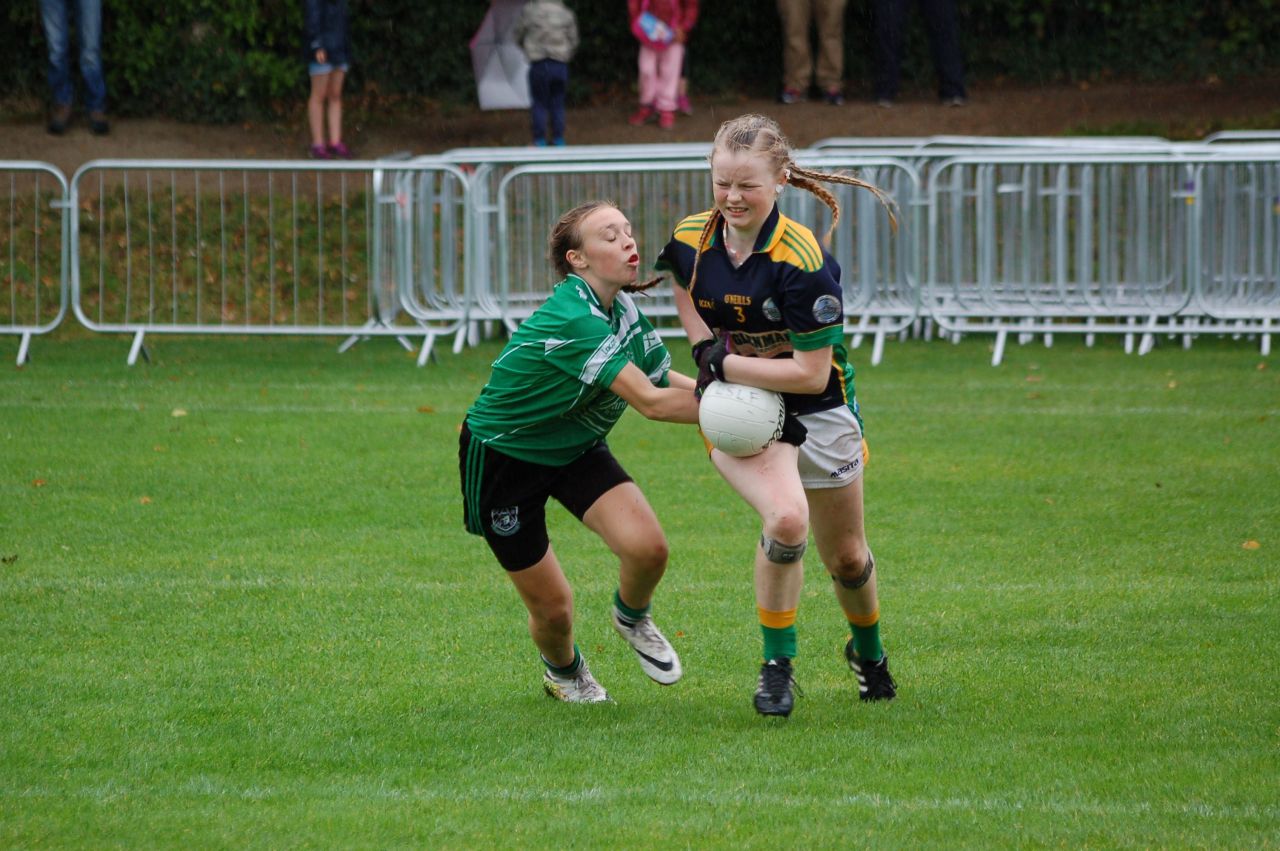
(502, 72)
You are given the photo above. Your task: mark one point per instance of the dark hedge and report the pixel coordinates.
(212, 61)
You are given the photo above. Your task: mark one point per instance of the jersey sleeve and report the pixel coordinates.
(813, 305)
(676, 259)
(587, 350)
(679, 254)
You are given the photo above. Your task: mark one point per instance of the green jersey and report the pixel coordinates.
(548, 398)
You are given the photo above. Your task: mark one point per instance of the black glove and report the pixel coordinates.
(709, 355)
(793, 431)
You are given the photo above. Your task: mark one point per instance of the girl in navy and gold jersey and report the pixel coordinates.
(760, 299)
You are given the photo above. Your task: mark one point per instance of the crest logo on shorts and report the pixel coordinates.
(826, 309)
(505, 521)
(771, 311)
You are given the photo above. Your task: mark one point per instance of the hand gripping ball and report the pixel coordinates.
(740, 420)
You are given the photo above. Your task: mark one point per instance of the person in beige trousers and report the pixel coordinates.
(798, 67)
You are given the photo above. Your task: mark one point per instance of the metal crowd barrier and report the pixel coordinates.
(1103, 243)
(1047, 243)
(1024, 235)
(1242, 136)
(243, 247)
(33, 251)
(429, 245)
(1237, 259)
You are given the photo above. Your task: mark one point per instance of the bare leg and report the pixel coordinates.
(842, 543)
(623, 518)
(315, 107)
(333, 97)
(770, 484)
(549, 599)
(841, 538)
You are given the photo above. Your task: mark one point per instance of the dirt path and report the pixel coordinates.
(1189, 109)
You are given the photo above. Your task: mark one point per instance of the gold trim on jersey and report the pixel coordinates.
(790, 242)
(794, 243)
(691, 227)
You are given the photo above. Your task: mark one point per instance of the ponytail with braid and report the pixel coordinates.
(808, 180)
(762, 135)
(704, 239)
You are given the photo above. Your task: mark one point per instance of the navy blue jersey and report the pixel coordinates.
(785, 297)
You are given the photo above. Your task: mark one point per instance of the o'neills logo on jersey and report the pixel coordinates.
(608, 348)
(505, 521)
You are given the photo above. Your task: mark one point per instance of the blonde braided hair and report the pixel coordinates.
(762, 135)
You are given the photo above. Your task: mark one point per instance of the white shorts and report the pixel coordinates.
(831, 455)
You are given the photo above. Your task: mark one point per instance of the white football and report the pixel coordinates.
(740, 420)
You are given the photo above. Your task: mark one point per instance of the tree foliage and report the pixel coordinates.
(223, 60)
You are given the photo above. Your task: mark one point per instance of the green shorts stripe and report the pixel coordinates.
(474, 475)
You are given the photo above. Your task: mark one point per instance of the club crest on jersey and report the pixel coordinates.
(771, 311)
(505, 521)
(826, 309)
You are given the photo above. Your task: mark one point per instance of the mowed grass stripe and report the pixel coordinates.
(350, 792)
(261, 624)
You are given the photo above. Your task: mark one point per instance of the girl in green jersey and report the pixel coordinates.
(538, 430)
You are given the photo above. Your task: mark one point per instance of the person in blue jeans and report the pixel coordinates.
(547, 32)
(55, 16)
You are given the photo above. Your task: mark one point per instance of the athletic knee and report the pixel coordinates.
(785, 537)
(789, 525)
(649, 556)
(554, 615)
(780, 552)
(854, 569)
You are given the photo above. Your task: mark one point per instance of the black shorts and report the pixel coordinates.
(504, 499)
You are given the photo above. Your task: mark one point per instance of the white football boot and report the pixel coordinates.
(657, 657)
(580, 688)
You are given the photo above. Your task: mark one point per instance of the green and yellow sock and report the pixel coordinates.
(866, 635)
(779, 630)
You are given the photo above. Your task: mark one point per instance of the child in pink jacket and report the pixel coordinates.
(661, 27)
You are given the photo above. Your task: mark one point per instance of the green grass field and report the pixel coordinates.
(238, 609)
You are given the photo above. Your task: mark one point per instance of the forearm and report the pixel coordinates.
(694, 328)
(675, 404)
(681, 381)
(669, 404)
(801, 374)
